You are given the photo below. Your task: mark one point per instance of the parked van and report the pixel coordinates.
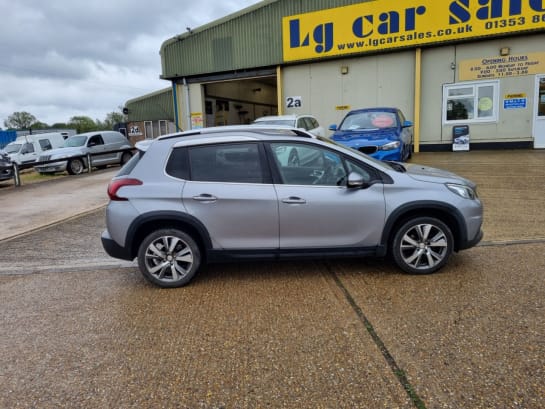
(100, 145)
(28, 148)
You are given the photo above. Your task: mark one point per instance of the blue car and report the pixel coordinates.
(382, 133)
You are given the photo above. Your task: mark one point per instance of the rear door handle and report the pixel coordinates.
(294, 200)
(206, 198)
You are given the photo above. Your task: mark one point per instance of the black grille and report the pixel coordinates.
(368, 149)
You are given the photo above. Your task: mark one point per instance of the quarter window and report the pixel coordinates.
(470, 102)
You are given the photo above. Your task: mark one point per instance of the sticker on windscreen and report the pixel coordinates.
(382, 121)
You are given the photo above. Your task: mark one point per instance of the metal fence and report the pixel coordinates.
(16, 169)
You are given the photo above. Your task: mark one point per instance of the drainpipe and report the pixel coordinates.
(187, 105)
(279, 93)
(417, 98)
(175, 97)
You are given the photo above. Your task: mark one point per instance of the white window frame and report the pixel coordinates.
(163, 126)
(474, 85)
(146, 124)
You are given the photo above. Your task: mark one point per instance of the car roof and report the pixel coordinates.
(226, 134)
(280, 117)
(373, 109)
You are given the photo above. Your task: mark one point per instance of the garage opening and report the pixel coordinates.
(241, 101)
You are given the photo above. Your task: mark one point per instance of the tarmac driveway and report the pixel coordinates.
(77, 332)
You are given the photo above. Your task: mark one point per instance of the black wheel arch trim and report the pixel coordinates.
(460, 235)
(174, 216)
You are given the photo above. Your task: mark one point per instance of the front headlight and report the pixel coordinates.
(461, 190)
(390, 146)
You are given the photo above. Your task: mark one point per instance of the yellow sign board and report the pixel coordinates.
(371, 26)
(502, 67)
(342, 107)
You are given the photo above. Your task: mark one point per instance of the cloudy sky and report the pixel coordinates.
(65, 58)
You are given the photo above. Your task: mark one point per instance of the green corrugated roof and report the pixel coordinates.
(248, 39)
(155, 106)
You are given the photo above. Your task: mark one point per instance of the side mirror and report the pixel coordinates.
(355, 181)
(407, 124)
(332, 127)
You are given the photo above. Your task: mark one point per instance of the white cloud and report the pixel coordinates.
(65, 58)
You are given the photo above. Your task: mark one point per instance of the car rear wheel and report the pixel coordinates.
(422, 245)
(75, 167)
(169, 258)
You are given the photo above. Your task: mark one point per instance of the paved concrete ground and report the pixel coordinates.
(341, 334)
(36, 205)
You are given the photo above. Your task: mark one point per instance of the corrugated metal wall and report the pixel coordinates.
(152, 107)
(249, 39)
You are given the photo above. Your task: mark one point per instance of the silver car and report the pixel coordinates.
(104, 147)
(227, 194)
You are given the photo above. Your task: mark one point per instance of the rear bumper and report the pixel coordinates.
(113, 249)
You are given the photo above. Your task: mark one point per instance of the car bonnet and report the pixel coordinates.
(429, 174)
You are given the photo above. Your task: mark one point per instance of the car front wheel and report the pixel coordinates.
(169, 258)
(422, 245)
(75, 167)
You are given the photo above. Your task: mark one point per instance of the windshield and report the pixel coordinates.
(371, 120)
(13, 148)
(76, 140)
(285, 122)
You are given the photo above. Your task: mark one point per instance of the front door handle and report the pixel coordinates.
(294, 200)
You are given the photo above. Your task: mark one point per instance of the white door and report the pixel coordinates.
(539, 113)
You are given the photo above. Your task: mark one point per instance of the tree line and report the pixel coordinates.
(25, 120)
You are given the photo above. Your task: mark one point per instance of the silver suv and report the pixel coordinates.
(231, 193)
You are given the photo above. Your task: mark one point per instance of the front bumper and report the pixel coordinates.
(51, 167)
(394, 155)
(6, 173)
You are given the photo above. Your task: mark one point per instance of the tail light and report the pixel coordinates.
(117, 184)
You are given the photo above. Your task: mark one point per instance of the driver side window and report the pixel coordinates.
(303, 164)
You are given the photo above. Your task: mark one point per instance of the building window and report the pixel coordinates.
(471, 102)
(163, 130)
(148, 129)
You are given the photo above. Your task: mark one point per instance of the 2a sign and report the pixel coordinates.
(294, 102)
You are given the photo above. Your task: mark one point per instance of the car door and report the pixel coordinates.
(317, 210)
(28, 153)
(95, 146)
(230, 191)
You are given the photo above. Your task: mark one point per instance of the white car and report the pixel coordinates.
(306, 122)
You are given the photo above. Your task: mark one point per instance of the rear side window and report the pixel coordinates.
(177, 165)
(235, 163)
(45, 144)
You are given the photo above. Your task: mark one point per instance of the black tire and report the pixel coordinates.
(422, 245)
(169, 258)
(75, 167)
(125, 157)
